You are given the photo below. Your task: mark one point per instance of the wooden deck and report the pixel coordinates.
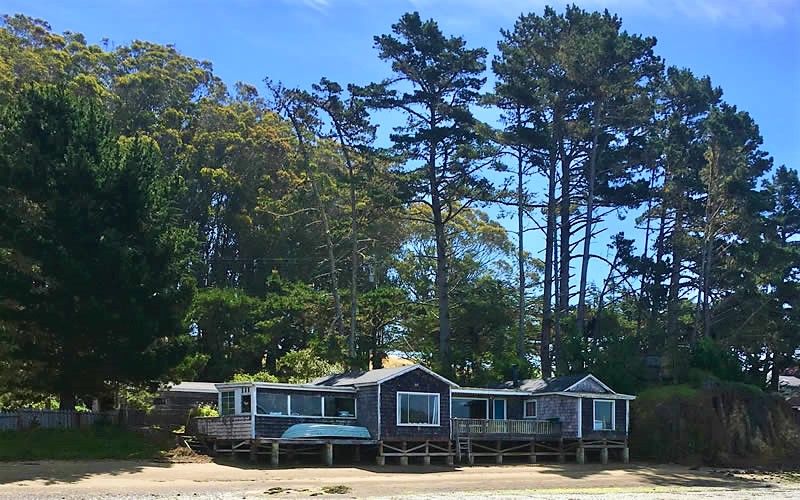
(477, 428)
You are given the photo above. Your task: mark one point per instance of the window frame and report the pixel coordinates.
(288, 395)
(438, 415)
(232, 394)
(525, 408)
(485, 400)
(613, 414)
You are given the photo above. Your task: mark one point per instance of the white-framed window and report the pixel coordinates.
(271, 403)
(305, 405)
(340, 407)
(499, 407)
(603, 414)
(529, 408)
(470, 408)
(298, 404)
(418, 408)
(227, 402)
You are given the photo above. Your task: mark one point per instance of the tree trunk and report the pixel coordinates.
(521, 259)
(337, 303)
(442, 285)
(66, 400)
(587, 237)
(550, 237)
(564, 261)
(774, 381)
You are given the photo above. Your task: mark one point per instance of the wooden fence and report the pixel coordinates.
(54, 419)
(524, 429)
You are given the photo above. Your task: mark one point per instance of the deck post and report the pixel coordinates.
(449, 460)
(328, 454)
(561, 457)
(626, 454)
(580, 453)
(470, 455)
(499, 457)
(254, 450)
(404, 457)
(357, 453)
(426, 460)
(532, 456)
(604, 453)
(275, 454)
(381, 458)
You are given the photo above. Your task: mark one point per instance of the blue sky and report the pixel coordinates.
(751, 48)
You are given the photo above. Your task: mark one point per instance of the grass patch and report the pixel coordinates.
(339, 489)
(73, 444)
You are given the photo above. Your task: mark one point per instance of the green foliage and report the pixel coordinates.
(304, 365)
(254, 377)
(77, 444)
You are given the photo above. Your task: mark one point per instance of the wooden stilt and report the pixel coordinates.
(380, 459)
(604, 453)
(532, 457)
(626, 455)
(404, 458)
(254, 450)
(274, 457)
(357, 453)
(426, 460)
(561, 457)
(328, 454)
(449, 460)
(499, 457)
(580, 455)
(470, 455)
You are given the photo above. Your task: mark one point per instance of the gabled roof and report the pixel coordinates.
(373, 377)
(554, 384)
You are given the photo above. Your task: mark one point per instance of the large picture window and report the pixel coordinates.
(417, 408)
(227, 403)
(603, 415)
(306, 405)
(470, 408)
(270, 403)
(340, 407)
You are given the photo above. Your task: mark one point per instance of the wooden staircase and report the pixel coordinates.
(463, 450)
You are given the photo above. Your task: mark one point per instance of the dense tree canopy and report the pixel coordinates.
(158, 224)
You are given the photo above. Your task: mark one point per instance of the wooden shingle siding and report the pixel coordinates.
(274, 427)
(227, 427)
(564, 408)
(588, 385)
(414, 381)
(588, 424)
(367, 409)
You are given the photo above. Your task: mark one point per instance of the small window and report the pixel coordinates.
(499, 409)
(603, 415)
(530, 408)
(228, 403)
(414, 408)
(245, 403)
(270, 403)
(306, 405)
(340, 407)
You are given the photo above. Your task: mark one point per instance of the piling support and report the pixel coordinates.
(499, 457)
(561, 456)
(356, 453)
(604, 453)
(449, 460)
(626, 455)
(426, 460)
(580, 454)
(532, 456)
(274, 457)
(404, 457)
(328, 454)
(254, 450)
(380, 459)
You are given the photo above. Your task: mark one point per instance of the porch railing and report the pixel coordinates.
(478, 427)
